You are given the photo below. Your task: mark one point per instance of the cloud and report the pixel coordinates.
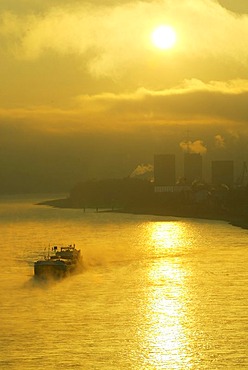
(191, 103)
(113, 38)
(219, 142)
(193, 147)
(237, 6)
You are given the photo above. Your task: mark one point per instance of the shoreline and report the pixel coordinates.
(234, 220)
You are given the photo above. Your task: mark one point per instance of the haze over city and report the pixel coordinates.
(93, 91)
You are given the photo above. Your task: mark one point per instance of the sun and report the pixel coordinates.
(164, 37)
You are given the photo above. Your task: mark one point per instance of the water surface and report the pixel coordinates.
(156, 292)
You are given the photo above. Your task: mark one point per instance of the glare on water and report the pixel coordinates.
(155, 293)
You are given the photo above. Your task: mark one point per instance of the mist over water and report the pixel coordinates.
(155, 292)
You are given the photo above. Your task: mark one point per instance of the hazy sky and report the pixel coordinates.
(83, 83)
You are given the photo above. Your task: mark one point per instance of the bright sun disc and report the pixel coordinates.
(164, 37)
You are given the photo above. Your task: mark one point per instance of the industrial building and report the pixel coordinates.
(223, 173)
(192, 167)
(164, 172)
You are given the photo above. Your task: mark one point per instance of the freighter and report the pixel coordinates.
(60, 263)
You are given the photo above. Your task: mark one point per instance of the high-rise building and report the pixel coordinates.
(164, 170)
(223, 173)
(192, 167)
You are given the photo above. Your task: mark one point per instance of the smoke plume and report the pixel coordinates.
(219, 142)
(193, 147)
(142, 169)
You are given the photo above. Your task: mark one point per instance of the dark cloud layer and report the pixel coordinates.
(238, 6)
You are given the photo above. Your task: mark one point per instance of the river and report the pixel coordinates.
(156, 292)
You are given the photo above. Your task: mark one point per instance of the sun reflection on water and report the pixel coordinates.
(166, 337)
(166, 234)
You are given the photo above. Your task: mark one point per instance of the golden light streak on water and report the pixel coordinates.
(166, 234)
(165, 335)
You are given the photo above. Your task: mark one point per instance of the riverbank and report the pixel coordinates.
(184, 212)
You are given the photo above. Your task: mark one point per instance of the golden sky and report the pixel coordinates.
(80, 67)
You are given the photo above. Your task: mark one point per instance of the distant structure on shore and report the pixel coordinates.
(192, 167)
(164, 172)
(222, 172)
